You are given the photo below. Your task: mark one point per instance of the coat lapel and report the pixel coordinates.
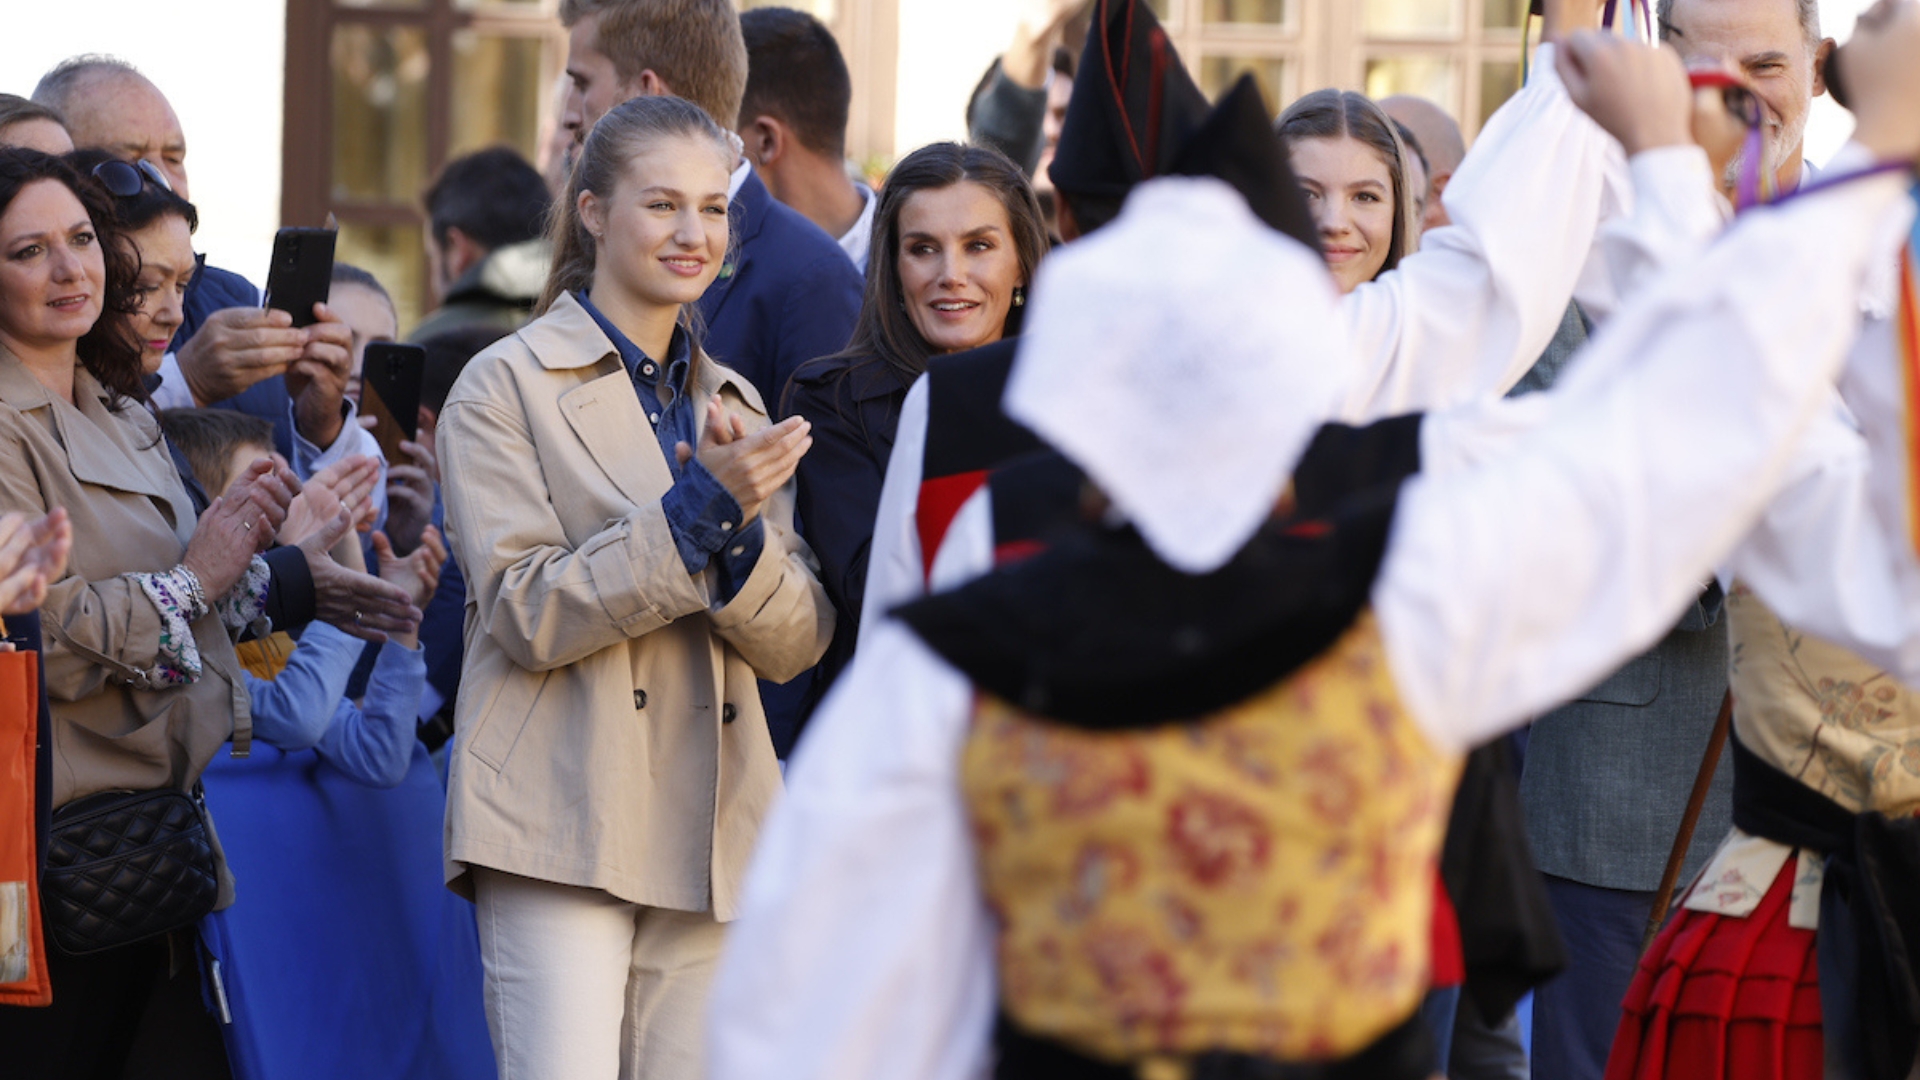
(605, 415)
(100, 446)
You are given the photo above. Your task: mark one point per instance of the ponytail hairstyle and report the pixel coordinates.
(627, 130)
(1333, 114)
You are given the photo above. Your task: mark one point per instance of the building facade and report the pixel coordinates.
(379, 94)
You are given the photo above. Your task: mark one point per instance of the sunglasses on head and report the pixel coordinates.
(1739, 100)
(128, 178)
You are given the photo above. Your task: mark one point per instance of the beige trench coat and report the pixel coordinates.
(609, 732)
(130, 515)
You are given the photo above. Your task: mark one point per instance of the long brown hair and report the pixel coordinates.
(109, 351)
(884, 330)
(626, 131)
(1333, 114)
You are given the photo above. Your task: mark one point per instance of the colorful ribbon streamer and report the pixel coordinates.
(1907, 333)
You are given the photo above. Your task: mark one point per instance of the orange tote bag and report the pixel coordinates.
(23, 957)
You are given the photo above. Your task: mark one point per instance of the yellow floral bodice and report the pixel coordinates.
(1258, 880)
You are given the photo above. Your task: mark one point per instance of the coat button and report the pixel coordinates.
(727, 713)
(639, 699)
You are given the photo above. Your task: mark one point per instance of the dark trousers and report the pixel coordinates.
(1483, 1050)
(1576, 1014)
(130, 1013)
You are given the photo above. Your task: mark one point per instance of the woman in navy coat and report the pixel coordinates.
(956, 238)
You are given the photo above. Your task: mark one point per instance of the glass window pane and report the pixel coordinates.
(1412, 18)
(1504, 14)
(395, 255)
(1499, 80)
(379, 112)
(1265, 12)
(1430, 77)
(1219, 73)
(497, 92)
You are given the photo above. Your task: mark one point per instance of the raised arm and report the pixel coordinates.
(1551, 203)
(1509, 586)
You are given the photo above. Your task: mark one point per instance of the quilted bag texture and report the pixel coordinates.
(123, 866)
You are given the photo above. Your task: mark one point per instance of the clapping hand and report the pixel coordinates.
(33, 555)
(346, 484)
(751, 467)
(417, 573)
(239, 525)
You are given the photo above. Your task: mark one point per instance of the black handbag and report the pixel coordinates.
(124, 866)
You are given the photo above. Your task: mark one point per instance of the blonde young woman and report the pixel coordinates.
(623, 510)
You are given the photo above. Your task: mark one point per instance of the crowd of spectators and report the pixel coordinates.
(586, 651)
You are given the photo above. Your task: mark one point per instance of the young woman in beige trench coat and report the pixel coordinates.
(607, 489)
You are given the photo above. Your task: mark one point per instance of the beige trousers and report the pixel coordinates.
(583, 986)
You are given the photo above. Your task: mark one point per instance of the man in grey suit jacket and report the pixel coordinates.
(1605, 784)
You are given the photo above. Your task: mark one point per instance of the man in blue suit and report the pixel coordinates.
(789, 293)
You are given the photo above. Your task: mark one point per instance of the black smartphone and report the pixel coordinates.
(302, 272)
(390, 393)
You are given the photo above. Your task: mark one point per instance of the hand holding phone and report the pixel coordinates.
(302, 272)
(390, 394)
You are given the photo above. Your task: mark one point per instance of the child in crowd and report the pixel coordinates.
(298, 695)
(332, 827)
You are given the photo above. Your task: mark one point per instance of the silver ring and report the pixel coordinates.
(356, 618)
(247, 525)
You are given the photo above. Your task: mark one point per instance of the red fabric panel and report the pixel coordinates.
(1449, 961)
(1721, 996)
(940, 500)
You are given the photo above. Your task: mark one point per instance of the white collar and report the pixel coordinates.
(858, 241)
(1183, 356)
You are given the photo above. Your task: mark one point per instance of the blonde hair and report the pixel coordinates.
(627, 130)
(695, 46)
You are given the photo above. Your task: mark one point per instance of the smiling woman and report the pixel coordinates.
(141, 673)
(1354, 169)
(159, 225)
(612, 759)
(956, 238)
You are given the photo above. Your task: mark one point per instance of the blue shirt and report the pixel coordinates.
(702, 515)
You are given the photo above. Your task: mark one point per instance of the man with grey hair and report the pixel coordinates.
(1776, 45)
(1608, 775)
(1440, 144)
(229, 351)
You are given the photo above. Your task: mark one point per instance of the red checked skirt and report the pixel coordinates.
(1723, 996)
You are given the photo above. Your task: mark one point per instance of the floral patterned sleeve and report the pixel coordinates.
(245, 605)
(178, 597)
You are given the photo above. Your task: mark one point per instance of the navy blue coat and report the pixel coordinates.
(787, 295)
(214, 289)
(854, 406)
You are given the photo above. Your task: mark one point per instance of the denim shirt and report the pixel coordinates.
(702, 515)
